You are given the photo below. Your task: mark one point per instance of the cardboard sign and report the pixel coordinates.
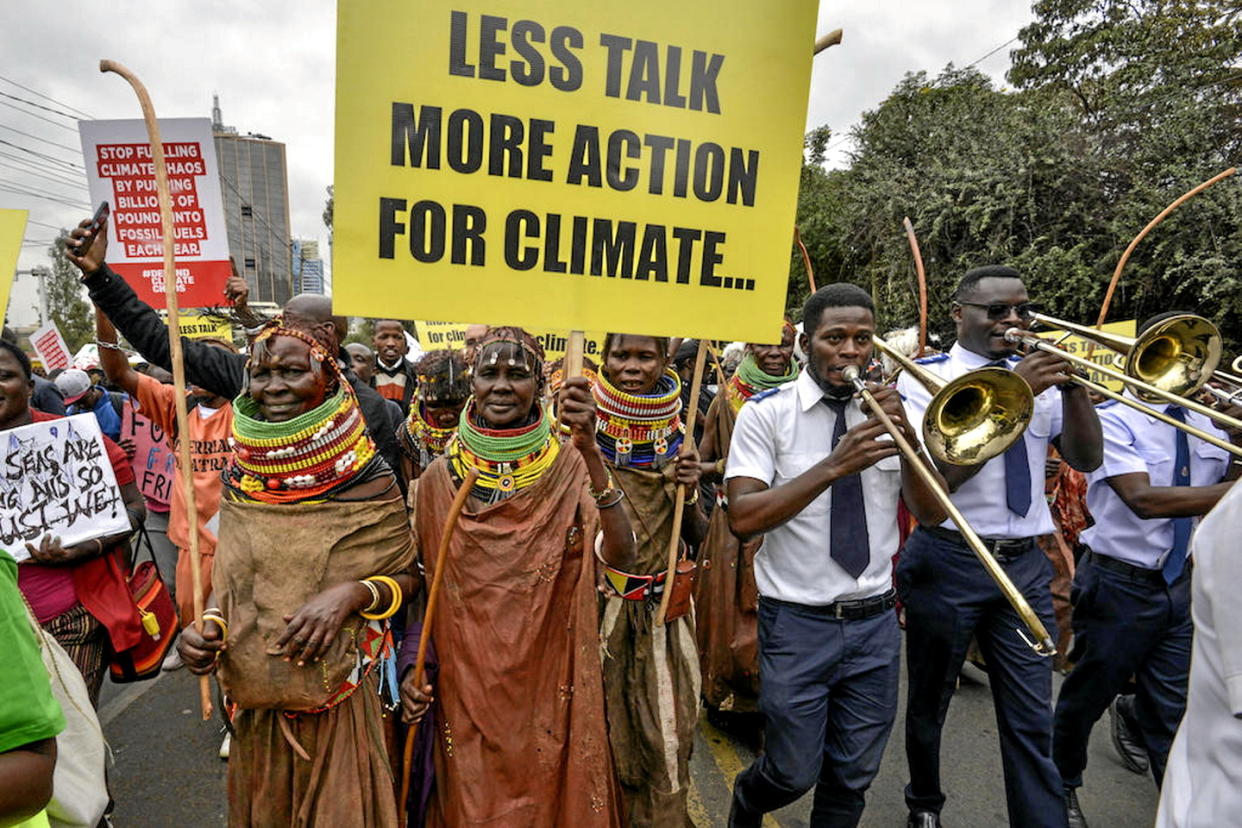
(50, 347)
(12, 230)
(154, 462)
(204, 327)
(56, 478)
(1100, 355)
(119, 170)
(560, 165)
(433, 336)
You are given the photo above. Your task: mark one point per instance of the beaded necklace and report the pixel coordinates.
(642, 430)
(507, 460)
(421, 441)
(300, 459)
(749, 379)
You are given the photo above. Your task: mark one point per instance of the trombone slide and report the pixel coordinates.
(1042, 642)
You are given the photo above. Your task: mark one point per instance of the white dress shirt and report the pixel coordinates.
(1203, 780)
(779, 435)
(981, 499)
(1136, 442)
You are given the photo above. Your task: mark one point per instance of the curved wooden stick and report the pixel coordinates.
(174, 345)
(918, 267)
(679, 501)
(450, 523)
(830, 39)
(806, 258)
(1151, 225)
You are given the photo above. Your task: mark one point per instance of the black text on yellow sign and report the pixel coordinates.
(589, 166)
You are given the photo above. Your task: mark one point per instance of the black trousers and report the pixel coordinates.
(1125, 624)
(949, 599)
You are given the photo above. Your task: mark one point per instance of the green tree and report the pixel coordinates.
(65, 301)
(327, 211)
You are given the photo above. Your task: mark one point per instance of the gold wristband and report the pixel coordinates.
(375, 597)
(397, 598)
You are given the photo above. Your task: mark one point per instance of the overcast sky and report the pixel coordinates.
(272, 63)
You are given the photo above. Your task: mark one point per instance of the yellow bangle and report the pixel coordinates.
(397, 598)
(220, 622)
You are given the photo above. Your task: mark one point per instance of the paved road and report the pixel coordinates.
(167, 773)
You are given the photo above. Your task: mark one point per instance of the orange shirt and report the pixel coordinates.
(209, 454)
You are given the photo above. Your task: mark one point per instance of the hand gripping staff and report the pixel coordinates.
(174, 345)
(1042, 643)
(446, 534)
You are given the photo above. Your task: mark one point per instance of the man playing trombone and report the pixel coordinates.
(949, 597)
(816, 475)
(1132, 589)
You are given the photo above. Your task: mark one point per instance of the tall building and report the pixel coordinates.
(255, 185)
(307, 266)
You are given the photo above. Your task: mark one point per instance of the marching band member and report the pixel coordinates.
(809, 469)
(949, 597)
(1132, 591)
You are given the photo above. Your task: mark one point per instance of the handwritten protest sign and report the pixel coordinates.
(12, 229)
(154, 462)
(205, 327)
(436, 335)
(1099, 355)
(119, 170)
(56, 478)
(50, 347)
(570, 165)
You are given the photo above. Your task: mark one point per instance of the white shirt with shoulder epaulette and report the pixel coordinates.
(1134, 443)
(981, 499)
(779, 435)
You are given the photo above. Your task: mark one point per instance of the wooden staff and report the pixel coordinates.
(446, 534)
(918, 268)
(1151, 225)
(174, 345)
(830, 39)
(679, 502)
(806, 258)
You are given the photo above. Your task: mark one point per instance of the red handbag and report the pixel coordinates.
(159, 627)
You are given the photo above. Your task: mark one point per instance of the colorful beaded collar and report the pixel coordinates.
(421, 441)
(507, 460)
(642, 430)
(749, 379)
(299, 459)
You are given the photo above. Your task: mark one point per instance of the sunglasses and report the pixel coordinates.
(1000, 310)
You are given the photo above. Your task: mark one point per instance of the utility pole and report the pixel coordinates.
(41, 273)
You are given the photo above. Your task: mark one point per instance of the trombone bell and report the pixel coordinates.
(977, 416)
(1178, 355)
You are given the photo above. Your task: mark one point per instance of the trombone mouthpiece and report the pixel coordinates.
(1013, 335)
(850, 372)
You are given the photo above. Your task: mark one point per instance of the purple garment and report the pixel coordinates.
(423, 768)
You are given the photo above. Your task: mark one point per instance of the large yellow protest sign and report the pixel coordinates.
(596, 166)
(12, 229)
(1099, 355)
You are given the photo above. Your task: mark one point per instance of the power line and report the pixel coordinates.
(994, 51)
(45, 224)
(74, 150)
(247, 203)
(64, 182)
(46, 97)
(38, 105)
(39, 166)
(30, 191)
(35, 115)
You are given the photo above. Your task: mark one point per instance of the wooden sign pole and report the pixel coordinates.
(679, 503)
(174, 344)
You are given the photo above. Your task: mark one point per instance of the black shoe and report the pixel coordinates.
(742, 817)
(1124, 729)
(1073, 810)
(923, 819)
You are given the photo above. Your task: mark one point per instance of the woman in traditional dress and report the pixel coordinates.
(443, 388)
(726, 599)
(313, 556)
(651, 673)
(521, 737)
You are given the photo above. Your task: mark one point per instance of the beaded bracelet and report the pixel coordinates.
(597, 494)
(613, 502)
(397, 598)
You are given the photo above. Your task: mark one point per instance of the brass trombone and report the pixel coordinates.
(1172, 358)
(977, 415)
(1225, 395)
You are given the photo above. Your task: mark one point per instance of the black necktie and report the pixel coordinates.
(1176, 562)
(1017, 471)
(848, 543)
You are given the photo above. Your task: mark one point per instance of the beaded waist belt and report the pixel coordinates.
(635, 587)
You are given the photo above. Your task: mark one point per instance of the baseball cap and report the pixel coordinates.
(73, 383)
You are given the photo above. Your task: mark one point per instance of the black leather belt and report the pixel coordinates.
(1132, 572)
(1004, 550)
(847, 610)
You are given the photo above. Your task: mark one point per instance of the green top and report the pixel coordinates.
(28, 710)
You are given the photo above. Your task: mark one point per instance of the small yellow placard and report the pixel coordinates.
(12, 230)
(1100, 355)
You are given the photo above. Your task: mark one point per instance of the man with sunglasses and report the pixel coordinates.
(949, 597)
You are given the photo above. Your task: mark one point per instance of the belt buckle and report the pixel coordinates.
(838, 611)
